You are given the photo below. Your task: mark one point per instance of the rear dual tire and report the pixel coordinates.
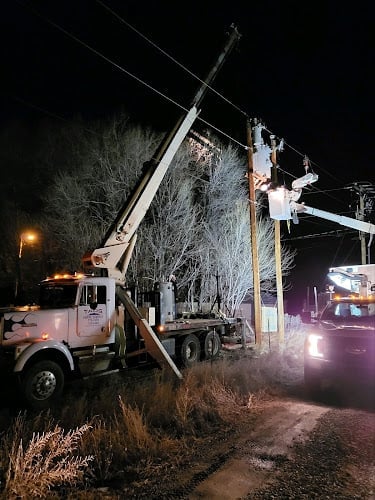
(191, 351)
(212, 345)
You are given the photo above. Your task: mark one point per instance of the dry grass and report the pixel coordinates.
(141, 429)
(47, 461)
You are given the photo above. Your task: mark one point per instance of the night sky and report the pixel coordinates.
(302, 68)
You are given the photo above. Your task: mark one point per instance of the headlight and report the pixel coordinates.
(315, 345)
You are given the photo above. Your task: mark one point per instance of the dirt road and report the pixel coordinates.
(298, 450)
(261, 451)
(291, 449)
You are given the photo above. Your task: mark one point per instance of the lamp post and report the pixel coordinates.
(25, 238)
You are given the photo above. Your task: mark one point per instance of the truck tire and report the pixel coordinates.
(312, 382)
(42, 384)
(190, 351)
(212, 345)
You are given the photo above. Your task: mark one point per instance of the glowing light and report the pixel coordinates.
(315, 346)
(264, 187)
(45, 336)
(279, 204)
(65, 276)
(29, 237)
(26, 237)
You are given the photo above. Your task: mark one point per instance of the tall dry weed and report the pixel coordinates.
(137, 435)
(46, 462)
(157, 398)
(102, 443)
(184, 404)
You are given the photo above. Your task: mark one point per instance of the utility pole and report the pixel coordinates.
(361, 234)
(254, 239)
(279, 276)
(366, 195)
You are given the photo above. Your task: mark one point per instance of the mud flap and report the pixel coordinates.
(153, 344)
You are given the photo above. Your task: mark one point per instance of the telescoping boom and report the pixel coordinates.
(114, 254)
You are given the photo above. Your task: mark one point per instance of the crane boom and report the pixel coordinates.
(115, 251)
(121, 237)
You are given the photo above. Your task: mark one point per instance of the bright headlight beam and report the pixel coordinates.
(313, 345)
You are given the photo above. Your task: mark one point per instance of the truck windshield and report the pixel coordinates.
(58, 295)
(364, 312)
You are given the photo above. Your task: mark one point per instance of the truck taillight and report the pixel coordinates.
(315, 345)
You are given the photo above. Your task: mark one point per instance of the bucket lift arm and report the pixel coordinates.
(283, 206)
(359, 225)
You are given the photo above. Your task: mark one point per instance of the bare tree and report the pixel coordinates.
(167, 238)
(85, 198)
(197, 226)
(227, 237)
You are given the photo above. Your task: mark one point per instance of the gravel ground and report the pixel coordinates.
(336, 462)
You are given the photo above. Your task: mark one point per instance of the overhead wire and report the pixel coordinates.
(169, 56)
(162, 94)
(333, 232)
(48, 113)
(139, 80)
(122, 20)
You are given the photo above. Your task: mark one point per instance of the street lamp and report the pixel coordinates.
(25, 238)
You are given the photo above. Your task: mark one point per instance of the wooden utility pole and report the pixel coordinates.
(362, 237)
(254, 239)
(279, 276)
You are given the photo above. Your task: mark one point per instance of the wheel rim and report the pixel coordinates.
(212, 346)
(43, 385)
(191, 351)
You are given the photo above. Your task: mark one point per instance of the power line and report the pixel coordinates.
(122, 20)
(139, 80)
(168, 55)
(334, 233)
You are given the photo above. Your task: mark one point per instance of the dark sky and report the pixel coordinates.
(303, 68)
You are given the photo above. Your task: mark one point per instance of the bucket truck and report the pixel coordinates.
(340, 342)
(89, 323)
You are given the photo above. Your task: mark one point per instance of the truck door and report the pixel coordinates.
(92, 313)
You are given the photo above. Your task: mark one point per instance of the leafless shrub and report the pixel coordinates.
(225, 400)
(46, 462)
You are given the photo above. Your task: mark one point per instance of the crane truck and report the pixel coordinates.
(89, 323)
(340, 341)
